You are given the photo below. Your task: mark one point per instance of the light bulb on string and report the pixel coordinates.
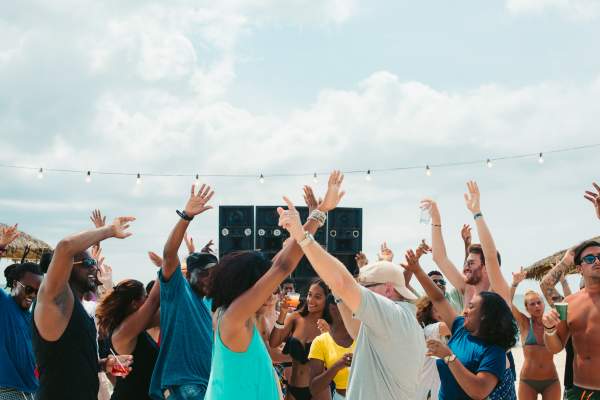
(138, 180)
(261, 179)
(369, 177)
(88, 177)
(541, 158)
(40, 174)
(427, 170)
(489, 163)
(197, 181)
(315, 180)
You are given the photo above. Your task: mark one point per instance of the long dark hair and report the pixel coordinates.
(15, 272)
(234, 274)
(326, 314)
(115, 307)
(498, 326)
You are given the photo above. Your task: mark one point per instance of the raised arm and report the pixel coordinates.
(7, 235)
(441, 304)
(552, 277)
(438, 248)
(465, 234)
(594, 198)
(55, 299)
(278, 335)
(518, 277)
(196, 204)
(422, 249)
(284, 262)
(492, 265)
(124, 338)
(352, 324)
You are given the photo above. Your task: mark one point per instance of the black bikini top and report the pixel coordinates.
(297, 350)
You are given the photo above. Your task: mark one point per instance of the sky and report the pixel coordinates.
(298, 86)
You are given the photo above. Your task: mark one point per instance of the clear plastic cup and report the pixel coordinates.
(293, 299)
(425, 216)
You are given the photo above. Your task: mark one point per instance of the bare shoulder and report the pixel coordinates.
(51, 316)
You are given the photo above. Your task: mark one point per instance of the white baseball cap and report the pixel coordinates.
(384, 272)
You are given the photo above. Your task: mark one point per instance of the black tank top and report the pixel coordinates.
(68, 367)
(136, 385)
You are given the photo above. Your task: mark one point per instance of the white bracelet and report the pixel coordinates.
(551, 332)
(308, 239)
(278, 325)
(319, 216)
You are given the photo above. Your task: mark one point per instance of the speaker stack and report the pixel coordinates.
(236, 229)
(344, 235)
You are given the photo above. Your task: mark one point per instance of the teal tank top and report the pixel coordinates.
(248, 375)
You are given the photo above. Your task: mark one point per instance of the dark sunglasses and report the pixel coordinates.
(590, 258)
(439, 282)
(28, 289)
(556, 298)
(87, 262)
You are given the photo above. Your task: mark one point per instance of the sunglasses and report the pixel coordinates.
(28, 289)
(590, 258)
(87, 262)
(439, 282)
(556, 298)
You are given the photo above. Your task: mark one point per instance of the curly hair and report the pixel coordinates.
(498, 326)
(14, 272)
(234, 274)
(115, 307)
(425, 311)
(326, 314)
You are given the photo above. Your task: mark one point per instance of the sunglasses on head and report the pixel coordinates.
(439, 282)
(28, 289)
(87, 262)
(590, 258)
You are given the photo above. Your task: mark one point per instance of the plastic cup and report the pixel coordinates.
(562, 310)
(293, 299)
(119, 369)
(425, 217)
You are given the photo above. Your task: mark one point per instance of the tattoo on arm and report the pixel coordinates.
(550, 280)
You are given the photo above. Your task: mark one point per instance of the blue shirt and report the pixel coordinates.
(185, 337)
(475, 355)
(17, 362)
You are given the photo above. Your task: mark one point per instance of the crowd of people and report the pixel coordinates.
(232, 328)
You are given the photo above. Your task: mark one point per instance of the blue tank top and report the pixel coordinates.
(248, 375)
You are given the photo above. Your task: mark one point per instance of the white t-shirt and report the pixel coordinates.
(430, 378)
(389, 350)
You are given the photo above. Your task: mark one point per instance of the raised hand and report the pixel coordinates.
(8, 234)
(569, 257)
(290, 220)
(385, 253)
(433, 209)
(197, 203)
(189, 243)
(422, 249)
(472, 198)
(208, 247)
(361, 259)
(334, 193)
(323, 326)
(97, 219)
(594, 198)
(105, 276)
(465, 233)
(310, 199)
(155, 258)
(412, 262)
(518, 277)
(119, 227)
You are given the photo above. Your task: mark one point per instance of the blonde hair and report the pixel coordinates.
(528, 294)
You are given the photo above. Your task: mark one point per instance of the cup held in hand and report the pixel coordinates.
(562, 310)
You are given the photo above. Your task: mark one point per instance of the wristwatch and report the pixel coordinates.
(184, 215)
(308, 238)
(450, 358)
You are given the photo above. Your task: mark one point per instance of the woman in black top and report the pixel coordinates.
(123, 317)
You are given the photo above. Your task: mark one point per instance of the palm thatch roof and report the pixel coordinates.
(538, 269)
(16, 249)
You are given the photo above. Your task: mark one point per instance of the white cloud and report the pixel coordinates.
(576, 9)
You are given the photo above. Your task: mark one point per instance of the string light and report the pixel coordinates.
(138, 180)
(541, 159)
(428, 170)
(261, 179)
(489, 163)
(40, 174)
(88, 177)
(197, 181)
(315, 180)
(368, 177)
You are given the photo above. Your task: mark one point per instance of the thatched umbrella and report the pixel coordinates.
(16, 249)
(538, 269)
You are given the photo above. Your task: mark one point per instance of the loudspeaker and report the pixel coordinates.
(344, 235)
(269, 235)
(236, 229)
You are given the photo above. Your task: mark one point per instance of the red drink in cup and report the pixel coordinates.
(119, 370)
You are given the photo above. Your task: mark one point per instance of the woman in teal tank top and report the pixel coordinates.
(243, 375)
